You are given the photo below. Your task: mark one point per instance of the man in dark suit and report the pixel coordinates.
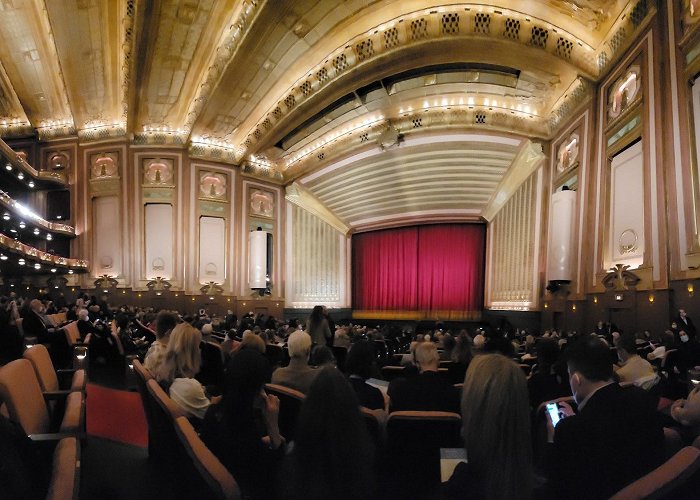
(685, 324)
(33, 325)
(616, 436)
(427, 391)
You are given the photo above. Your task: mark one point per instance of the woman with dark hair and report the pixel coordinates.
(333, 455)
(317, 326)
(231, 429)
(460, 356)
(359, 366)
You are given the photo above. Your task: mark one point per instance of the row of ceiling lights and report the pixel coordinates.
(6, 217)
(22, 261)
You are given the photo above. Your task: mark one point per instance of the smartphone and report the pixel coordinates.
(553, 411)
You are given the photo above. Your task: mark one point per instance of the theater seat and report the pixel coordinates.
(290, 405)
(47, 376)
(65, 477)
(161, 429)
(201, 472)
(142, 378)
(676, 478)
(20, 391)
(415, 437)
(375, 421)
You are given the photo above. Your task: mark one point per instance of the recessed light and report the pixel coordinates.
(22, 225)
(6, 216)
(37, 266)
(59, 217)
(31, 184)
(36, 231)
(3, 257)
(49, 237)
(70, 271)
(53, 269)
(20, 176)
(13, 230)
(20, 262)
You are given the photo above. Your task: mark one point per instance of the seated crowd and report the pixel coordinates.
(611, 389)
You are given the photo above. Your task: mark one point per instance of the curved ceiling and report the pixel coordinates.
(287, 88)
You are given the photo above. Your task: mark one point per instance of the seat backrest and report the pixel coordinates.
(38, 355)
(415, 437)
(72, 333)
(290, 405)
(216, 478)
(375, 426)
(65, 478)
(142, 378)
(666, 479)
(390, 372)
(212, 369)
(20, 391)
(164, 411)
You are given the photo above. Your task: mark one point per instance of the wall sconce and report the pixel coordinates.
(105, 282)
(573, 307)
(595, 299)
(651, 298)
(212, 288)
(158, 285)
(546, 305)
(619, 297)
(691, 289)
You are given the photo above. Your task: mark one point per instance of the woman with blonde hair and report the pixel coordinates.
(181, 363)
(496, 431)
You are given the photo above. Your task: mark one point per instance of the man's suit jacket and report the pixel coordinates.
(424, 392)
(615, 439)
(297, 375)
(33, 326)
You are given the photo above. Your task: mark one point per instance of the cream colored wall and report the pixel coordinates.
(513, 247)
(318, 262)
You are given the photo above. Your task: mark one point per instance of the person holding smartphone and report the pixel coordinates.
(613, 440)
(11, 343)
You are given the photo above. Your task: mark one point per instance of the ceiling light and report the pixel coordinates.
(20, 176)
(6, 216)
(49, 237)
(13, 230)
(53, 269)
(37, 266)
(3, 257)
(36, 231)
(22, 225)
(70, 271)
(31, 184)
(8, 167)
(20, 262)
(59, 217)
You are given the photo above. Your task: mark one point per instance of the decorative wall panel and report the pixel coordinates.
(107, 245)
(159, 241)
(561, 256)
(318, 264)
(212, 249)
(626, 245)
(513, 245)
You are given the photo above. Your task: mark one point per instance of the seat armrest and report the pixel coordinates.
(67, 370)
(55, 436)
(56, 395)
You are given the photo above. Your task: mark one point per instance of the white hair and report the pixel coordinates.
(299, 344)
(83, 314)
(207, 328)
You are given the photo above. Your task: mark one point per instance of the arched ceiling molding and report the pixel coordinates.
(13, 119)
(89, 37)
(202, 41)
(517, 34)
(28, 53)
(295, 193)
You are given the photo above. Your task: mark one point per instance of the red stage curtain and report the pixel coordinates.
(436, 270)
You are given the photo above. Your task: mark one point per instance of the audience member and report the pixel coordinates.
(34, 325)
(317, 327)
(496, 431)
(165, 323)
(252, 341)
(232, 432)
(614, 439)
(547, 381)
(177, 370)
(687, 413)
(359, 366)
(298, 374)
(333, 454)
(11, 342)
(460, 356)
(633, 368)
(321, 356)
(427, 391)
